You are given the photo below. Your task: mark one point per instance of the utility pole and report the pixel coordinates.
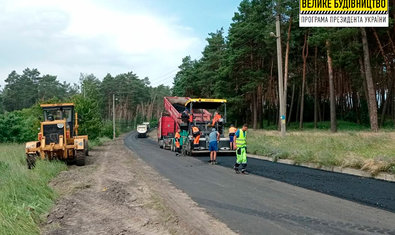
(113, 116)
(281, 95)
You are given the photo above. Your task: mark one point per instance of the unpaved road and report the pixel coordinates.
(264, 205)
(117, 193)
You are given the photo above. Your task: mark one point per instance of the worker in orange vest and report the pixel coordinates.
(196, 136)
(232, 132)
(216, 118)
(190, 117)
(177, 139)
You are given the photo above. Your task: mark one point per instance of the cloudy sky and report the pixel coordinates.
(69, 37)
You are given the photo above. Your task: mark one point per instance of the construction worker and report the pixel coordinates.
(177, 139)
(232, 132)
(196, 135)
(50, 117)
(213, 145)
(185, 115)
(190, 117)
(241, 149)
(216, 118)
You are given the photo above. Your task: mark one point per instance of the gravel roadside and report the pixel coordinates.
(117, 193)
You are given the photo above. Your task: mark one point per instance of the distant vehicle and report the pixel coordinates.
(148, 125)
(142, 131)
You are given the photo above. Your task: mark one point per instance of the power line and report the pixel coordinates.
(164, 75)
(167, 79)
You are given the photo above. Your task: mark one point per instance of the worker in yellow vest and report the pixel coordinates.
(241, 149)
(232, 132)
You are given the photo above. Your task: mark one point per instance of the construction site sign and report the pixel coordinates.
(343, 13)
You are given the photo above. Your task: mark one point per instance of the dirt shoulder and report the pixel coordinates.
(117, 193)
(153, 134)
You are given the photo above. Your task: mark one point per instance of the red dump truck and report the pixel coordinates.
(170, 120)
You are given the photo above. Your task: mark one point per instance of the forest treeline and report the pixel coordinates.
(241, 66)
(331, 73)
(135, 101)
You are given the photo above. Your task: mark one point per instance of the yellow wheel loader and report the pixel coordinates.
(58, 137)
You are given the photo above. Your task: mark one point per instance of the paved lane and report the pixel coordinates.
(264, 205)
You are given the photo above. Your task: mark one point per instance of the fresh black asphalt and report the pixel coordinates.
(277, 198)
(368, 191)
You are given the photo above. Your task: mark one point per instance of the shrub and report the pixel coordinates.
(20, 126)
(107, 130)
(89, 119)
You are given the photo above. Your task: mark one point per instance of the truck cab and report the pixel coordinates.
(142, 131)
(54, 118)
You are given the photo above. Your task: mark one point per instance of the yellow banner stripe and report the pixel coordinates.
(343, 5)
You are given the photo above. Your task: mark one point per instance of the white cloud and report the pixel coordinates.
(66, 38)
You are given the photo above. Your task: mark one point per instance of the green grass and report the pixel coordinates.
(341, 126)
(24, 194)
(373, 152)
(98, 142)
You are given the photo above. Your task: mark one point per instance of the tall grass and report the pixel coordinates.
(373, 152)
(98, 142)
(341, 126)
(24, 194)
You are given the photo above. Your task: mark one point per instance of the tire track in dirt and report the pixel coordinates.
(117, 193)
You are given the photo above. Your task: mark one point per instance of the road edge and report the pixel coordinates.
(342, 170)
(336, 169)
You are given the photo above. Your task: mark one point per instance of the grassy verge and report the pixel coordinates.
(25, 195)
(373, 152)
(98, 142)
(324, 126)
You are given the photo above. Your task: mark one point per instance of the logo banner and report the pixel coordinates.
(343, 13)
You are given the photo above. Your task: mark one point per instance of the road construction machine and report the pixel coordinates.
(201, 110)
(173, 119)
(58, 137)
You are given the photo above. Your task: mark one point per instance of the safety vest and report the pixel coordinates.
(191, 117)
(232, 130)
(216, 118)
(241, 140)
(195, 130)
(178, 135)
